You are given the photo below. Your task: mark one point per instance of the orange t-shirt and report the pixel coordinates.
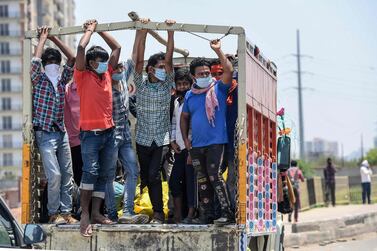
(96, 99)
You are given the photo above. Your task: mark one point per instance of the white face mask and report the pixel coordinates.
(53, 73)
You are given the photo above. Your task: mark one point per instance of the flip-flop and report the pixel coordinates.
(88, 231)
(105, 221)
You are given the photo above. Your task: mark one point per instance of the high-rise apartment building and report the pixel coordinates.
(16, 16)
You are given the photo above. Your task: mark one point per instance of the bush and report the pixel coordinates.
(306, 168)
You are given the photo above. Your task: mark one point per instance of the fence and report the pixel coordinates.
(312, 191)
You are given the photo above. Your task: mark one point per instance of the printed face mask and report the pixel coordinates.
(204, 82)
(160, 74)
(102, 67)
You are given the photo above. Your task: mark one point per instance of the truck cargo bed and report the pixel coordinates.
(143, 237)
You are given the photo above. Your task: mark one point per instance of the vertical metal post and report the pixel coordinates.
(242, 168)
(27, 124)
(300, 108)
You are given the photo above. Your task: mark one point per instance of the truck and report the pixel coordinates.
(258, 223)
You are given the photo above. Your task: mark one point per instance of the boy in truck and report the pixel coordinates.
(93, 78)
(152, 127)
(182, 175)
(205, 108)
(50, 134)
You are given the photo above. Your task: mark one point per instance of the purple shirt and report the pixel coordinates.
(72, 114)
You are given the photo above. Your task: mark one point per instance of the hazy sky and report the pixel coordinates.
(340, 100)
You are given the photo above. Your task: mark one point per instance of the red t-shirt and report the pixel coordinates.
(96, 100)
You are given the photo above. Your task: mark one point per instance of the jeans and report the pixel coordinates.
(99, 156)
(127, 157)
(206, 162)
(56, 158)
(150, 173)
(182, 176)
(366, 192)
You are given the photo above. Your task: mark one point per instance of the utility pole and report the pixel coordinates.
(342, 154)
(300, 108)
(362, 147)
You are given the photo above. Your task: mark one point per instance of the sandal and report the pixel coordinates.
(86, 231)
(104, 221)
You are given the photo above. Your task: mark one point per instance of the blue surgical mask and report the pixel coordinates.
(102, 67)
(117, 76)
(160, 74)
(204, 82)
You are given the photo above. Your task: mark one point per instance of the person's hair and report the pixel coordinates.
(51, 54)
(294, 163)
(215, 61)
(197, 62)
(153, 60)
(95, 52)
(183, 74)
(328, 160)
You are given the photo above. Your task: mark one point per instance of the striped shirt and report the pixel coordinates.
(48, 104)
(153, 110)
(120, 101)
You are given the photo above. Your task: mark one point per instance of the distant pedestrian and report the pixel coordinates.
(329, 174)
(366, 177)
(296, 176)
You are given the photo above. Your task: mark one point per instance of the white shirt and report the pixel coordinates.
(366, 174)
(176, 134)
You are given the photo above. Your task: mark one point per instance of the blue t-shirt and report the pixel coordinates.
(203, 133)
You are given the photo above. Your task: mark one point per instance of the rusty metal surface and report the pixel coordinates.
(143, 237)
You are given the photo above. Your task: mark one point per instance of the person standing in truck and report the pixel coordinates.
(153, 96)
(366, 178)
(205, 110)
(93, 78)
(48, 123)
(329, 175)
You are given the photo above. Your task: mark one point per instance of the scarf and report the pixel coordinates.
(211, 101)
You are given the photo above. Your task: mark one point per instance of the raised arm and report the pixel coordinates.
(141, 35)
(114, 46)
(138, 40)
(43, 34)
(227, 65)
(89, 27)
(169, 48)
(65, 49)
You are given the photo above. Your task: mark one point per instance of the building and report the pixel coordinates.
(320, 147)
(16, 16)
(375, 142)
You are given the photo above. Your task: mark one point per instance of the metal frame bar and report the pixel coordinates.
(130, 25)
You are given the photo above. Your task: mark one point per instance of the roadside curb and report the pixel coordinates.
(304, 233)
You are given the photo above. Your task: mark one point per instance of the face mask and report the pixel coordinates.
(204, 82)
(53, 73)
(117, 76)
(102, 67)
(160, 74)
(181, 93)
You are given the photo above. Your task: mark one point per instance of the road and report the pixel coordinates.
(367, 242)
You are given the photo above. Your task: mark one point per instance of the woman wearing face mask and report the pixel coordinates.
(50, 133)
(204, 110)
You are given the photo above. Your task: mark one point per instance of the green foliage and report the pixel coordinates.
(306, 168)
(372, 157)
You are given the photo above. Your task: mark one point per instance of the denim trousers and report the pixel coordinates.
(99, 155)
(56, 157)
(127, 157)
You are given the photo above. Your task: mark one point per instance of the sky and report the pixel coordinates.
(338, 39)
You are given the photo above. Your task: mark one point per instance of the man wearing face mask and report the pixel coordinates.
(205, 108)
(48, 124)
(93, 78)
(152, 127)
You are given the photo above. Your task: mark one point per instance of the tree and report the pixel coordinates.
(372, 157)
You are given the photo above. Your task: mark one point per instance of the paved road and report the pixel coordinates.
(367, 242)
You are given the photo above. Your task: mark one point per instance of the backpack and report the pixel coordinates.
(294, 180)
